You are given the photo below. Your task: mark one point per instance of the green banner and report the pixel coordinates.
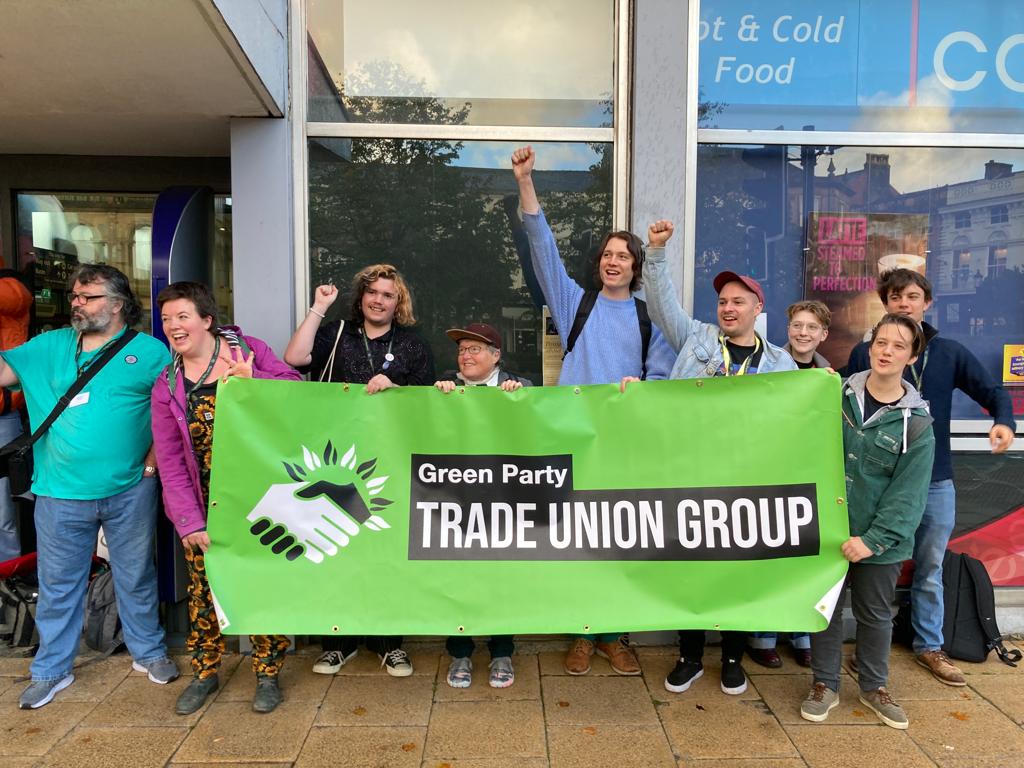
(711, 503)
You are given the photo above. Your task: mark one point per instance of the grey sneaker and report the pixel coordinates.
(502, 674)
(460, 672)
(268, 694)
(883, 705)
(193, 697)
(160, 671)
(819, 702)
(41, 692)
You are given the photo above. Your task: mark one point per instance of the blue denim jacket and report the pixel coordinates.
(696, 343)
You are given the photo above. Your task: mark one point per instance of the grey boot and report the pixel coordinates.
(268, 694)
(192, 698)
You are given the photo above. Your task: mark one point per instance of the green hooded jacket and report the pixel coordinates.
(888, 469)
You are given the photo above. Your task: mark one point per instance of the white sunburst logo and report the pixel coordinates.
(329, 501)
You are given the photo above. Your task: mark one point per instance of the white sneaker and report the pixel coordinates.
(331, 662)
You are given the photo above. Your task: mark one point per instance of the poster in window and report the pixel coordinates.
(845, 254)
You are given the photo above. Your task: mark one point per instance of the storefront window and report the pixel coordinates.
(57, 231)
(446, 214)
(862, 65)
(823, 221)
(460, 62)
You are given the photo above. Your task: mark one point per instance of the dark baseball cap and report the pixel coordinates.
(488, 334)
(731, 277)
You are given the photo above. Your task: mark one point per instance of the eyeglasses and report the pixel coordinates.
(810, 327)
(476, 349)
(85, 298)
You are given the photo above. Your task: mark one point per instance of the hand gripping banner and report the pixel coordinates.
(708, 503)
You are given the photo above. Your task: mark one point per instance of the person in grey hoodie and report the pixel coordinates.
(889, 447)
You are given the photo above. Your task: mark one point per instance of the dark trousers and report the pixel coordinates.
(461, 646)
(691, 644)
(379, 644)
(872, 590)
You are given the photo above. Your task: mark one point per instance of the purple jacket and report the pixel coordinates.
(179, 472)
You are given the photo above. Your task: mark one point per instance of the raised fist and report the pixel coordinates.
(324, 296)
(659, 233)
(522, 162)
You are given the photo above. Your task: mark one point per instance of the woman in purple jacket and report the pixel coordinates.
(203, 352)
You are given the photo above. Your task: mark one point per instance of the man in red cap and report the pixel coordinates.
(479, 358)
(731, 348)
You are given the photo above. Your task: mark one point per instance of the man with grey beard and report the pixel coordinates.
(94, 467)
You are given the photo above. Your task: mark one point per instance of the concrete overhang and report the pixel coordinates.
(136, 77)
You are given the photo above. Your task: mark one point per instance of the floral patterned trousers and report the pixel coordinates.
(204, 638)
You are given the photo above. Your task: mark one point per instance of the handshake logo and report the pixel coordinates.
(327, 505)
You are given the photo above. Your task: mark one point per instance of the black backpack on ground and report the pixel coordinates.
(102, 621)
(583, 311)
(969, 626)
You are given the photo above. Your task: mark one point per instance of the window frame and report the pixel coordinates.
(618, 135)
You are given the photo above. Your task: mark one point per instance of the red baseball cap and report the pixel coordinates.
(731, 277)
(488, 334)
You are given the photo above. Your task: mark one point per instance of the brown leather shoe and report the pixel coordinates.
(802, 656)
(942, 669)
(766, 657)
(577, 660)
(620, 656)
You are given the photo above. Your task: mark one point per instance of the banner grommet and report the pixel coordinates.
(586, 628)
(462, 629)
(335, 628)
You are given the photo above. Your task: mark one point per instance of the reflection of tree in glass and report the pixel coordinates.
(407, 202)
(403, 201)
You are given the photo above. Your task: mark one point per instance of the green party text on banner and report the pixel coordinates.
(714, 503)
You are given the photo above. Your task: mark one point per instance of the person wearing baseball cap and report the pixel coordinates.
(731, 348)
(478, 359)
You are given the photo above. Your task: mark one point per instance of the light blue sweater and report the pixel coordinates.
(609, 346)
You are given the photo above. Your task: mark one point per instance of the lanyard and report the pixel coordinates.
(727, 358)
(919, 377)
(190, 395)
(388, 357)
(96, 355)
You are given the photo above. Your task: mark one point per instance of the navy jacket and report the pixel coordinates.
(949, 365)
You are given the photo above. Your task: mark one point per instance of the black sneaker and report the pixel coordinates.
(734, 680)
(682, 677)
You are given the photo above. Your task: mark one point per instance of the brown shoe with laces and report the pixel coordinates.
(942, 669)
(577, 660)
(620, 656)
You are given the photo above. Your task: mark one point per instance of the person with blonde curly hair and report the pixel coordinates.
(376, 347)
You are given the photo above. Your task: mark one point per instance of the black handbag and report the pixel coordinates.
(16, 457)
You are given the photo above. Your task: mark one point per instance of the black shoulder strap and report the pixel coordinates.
(984, 598)
(645, 333)
(583, 311)
(583, 314)
(81, 381)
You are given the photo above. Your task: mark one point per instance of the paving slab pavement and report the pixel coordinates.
(547, 719)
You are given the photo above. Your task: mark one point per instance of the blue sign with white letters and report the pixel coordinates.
(766, 60)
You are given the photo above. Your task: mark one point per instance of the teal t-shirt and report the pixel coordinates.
(95, 448)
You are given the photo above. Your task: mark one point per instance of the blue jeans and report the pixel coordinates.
(766, 640)
(10, 541)
(926, 605)
(66, 530)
